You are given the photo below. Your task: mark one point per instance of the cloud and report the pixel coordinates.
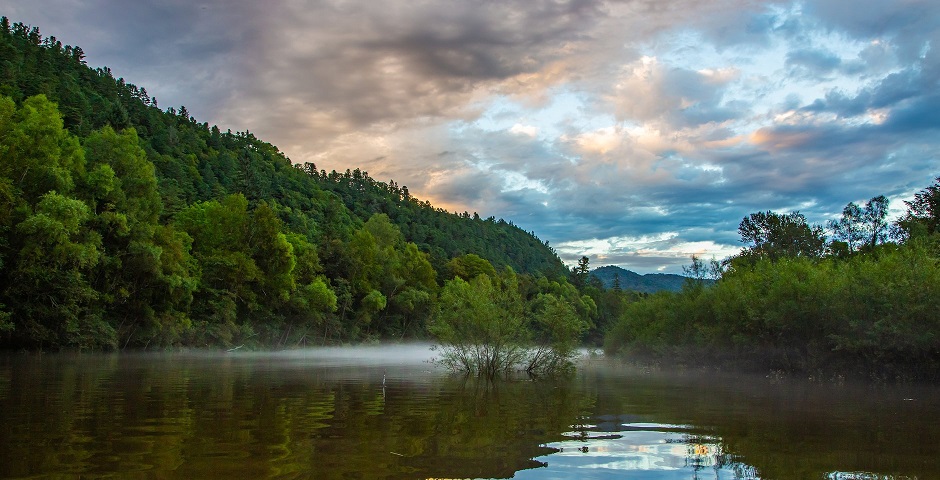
(648, 91)
(407, 60)
(640, 131)
(817, 62)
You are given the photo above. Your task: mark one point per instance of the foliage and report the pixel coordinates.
(580, 272)
(868, 308)
(867, 314)
(442, 235)
(773, 235)
(470, 266)
(486, 327)
(923, 214)
(557, 328)
(126, 225)
(699, 273)
(859, 227)
(481, 326)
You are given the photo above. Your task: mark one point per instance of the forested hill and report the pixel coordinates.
(612, 276)
(125, 224)
(196, 162)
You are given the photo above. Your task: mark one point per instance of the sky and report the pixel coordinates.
(635, 132)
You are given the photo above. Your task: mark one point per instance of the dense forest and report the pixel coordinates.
(125, 225)
(863, 300)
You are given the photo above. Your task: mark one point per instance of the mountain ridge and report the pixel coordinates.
(646, 283)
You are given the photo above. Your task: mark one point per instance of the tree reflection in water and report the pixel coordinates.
(328, 414)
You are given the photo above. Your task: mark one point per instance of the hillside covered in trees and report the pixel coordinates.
(126, 225)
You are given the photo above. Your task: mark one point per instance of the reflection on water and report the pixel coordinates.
(646, 450)
(385, 412)
(865, 476)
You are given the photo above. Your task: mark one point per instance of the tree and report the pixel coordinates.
(848, 228)
(481, 326)
(579, 273)
(923, 213)
(228, 288)
(313, 299)
(470, 266)
(47, 248)
(51, 298)
(39, 155)
(556, 327)
(873, 220)
(773, 235)
(412, 305)
(393, 283)
(698, 272)
(145, 273)
(273, 254)
(486, 326)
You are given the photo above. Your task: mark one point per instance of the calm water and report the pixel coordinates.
(385, 412)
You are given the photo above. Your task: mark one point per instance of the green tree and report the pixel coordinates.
(923, 213)
(873, 221)
(313, 299)
(580, 273)
(412, 305)
(49, 293)
(144, 275)
(583, 303)
(393, 283)
(229, 277)
(486, 327)
(39, 155)
(556, 331)
(481, 326)
(48, 250)
(699, 272)
(175, 278)
(773, 235)
(848, 229)
(273, 254)
(470, 266)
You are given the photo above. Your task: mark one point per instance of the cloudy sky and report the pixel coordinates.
(637, 132)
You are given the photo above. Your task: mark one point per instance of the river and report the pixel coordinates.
(386, 412)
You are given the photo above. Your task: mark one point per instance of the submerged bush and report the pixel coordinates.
(484, 329)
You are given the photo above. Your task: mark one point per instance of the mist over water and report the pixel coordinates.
(363, 362)
(403, 355)
(388, 412)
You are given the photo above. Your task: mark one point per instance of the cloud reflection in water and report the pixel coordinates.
(644, 450)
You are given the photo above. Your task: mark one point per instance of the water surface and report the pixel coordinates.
(385, 412)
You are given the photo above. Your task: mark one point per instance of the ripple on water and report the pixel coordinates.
(655, 450)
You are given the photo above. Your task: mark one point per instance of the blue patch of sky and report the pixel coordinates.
(765, 81)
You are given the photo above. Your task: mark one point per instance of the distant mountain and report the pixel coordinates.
(648, 283)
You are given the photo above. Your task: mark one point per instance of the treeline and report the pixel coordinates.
(862, 301)
(124, 225)
(436, 231)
